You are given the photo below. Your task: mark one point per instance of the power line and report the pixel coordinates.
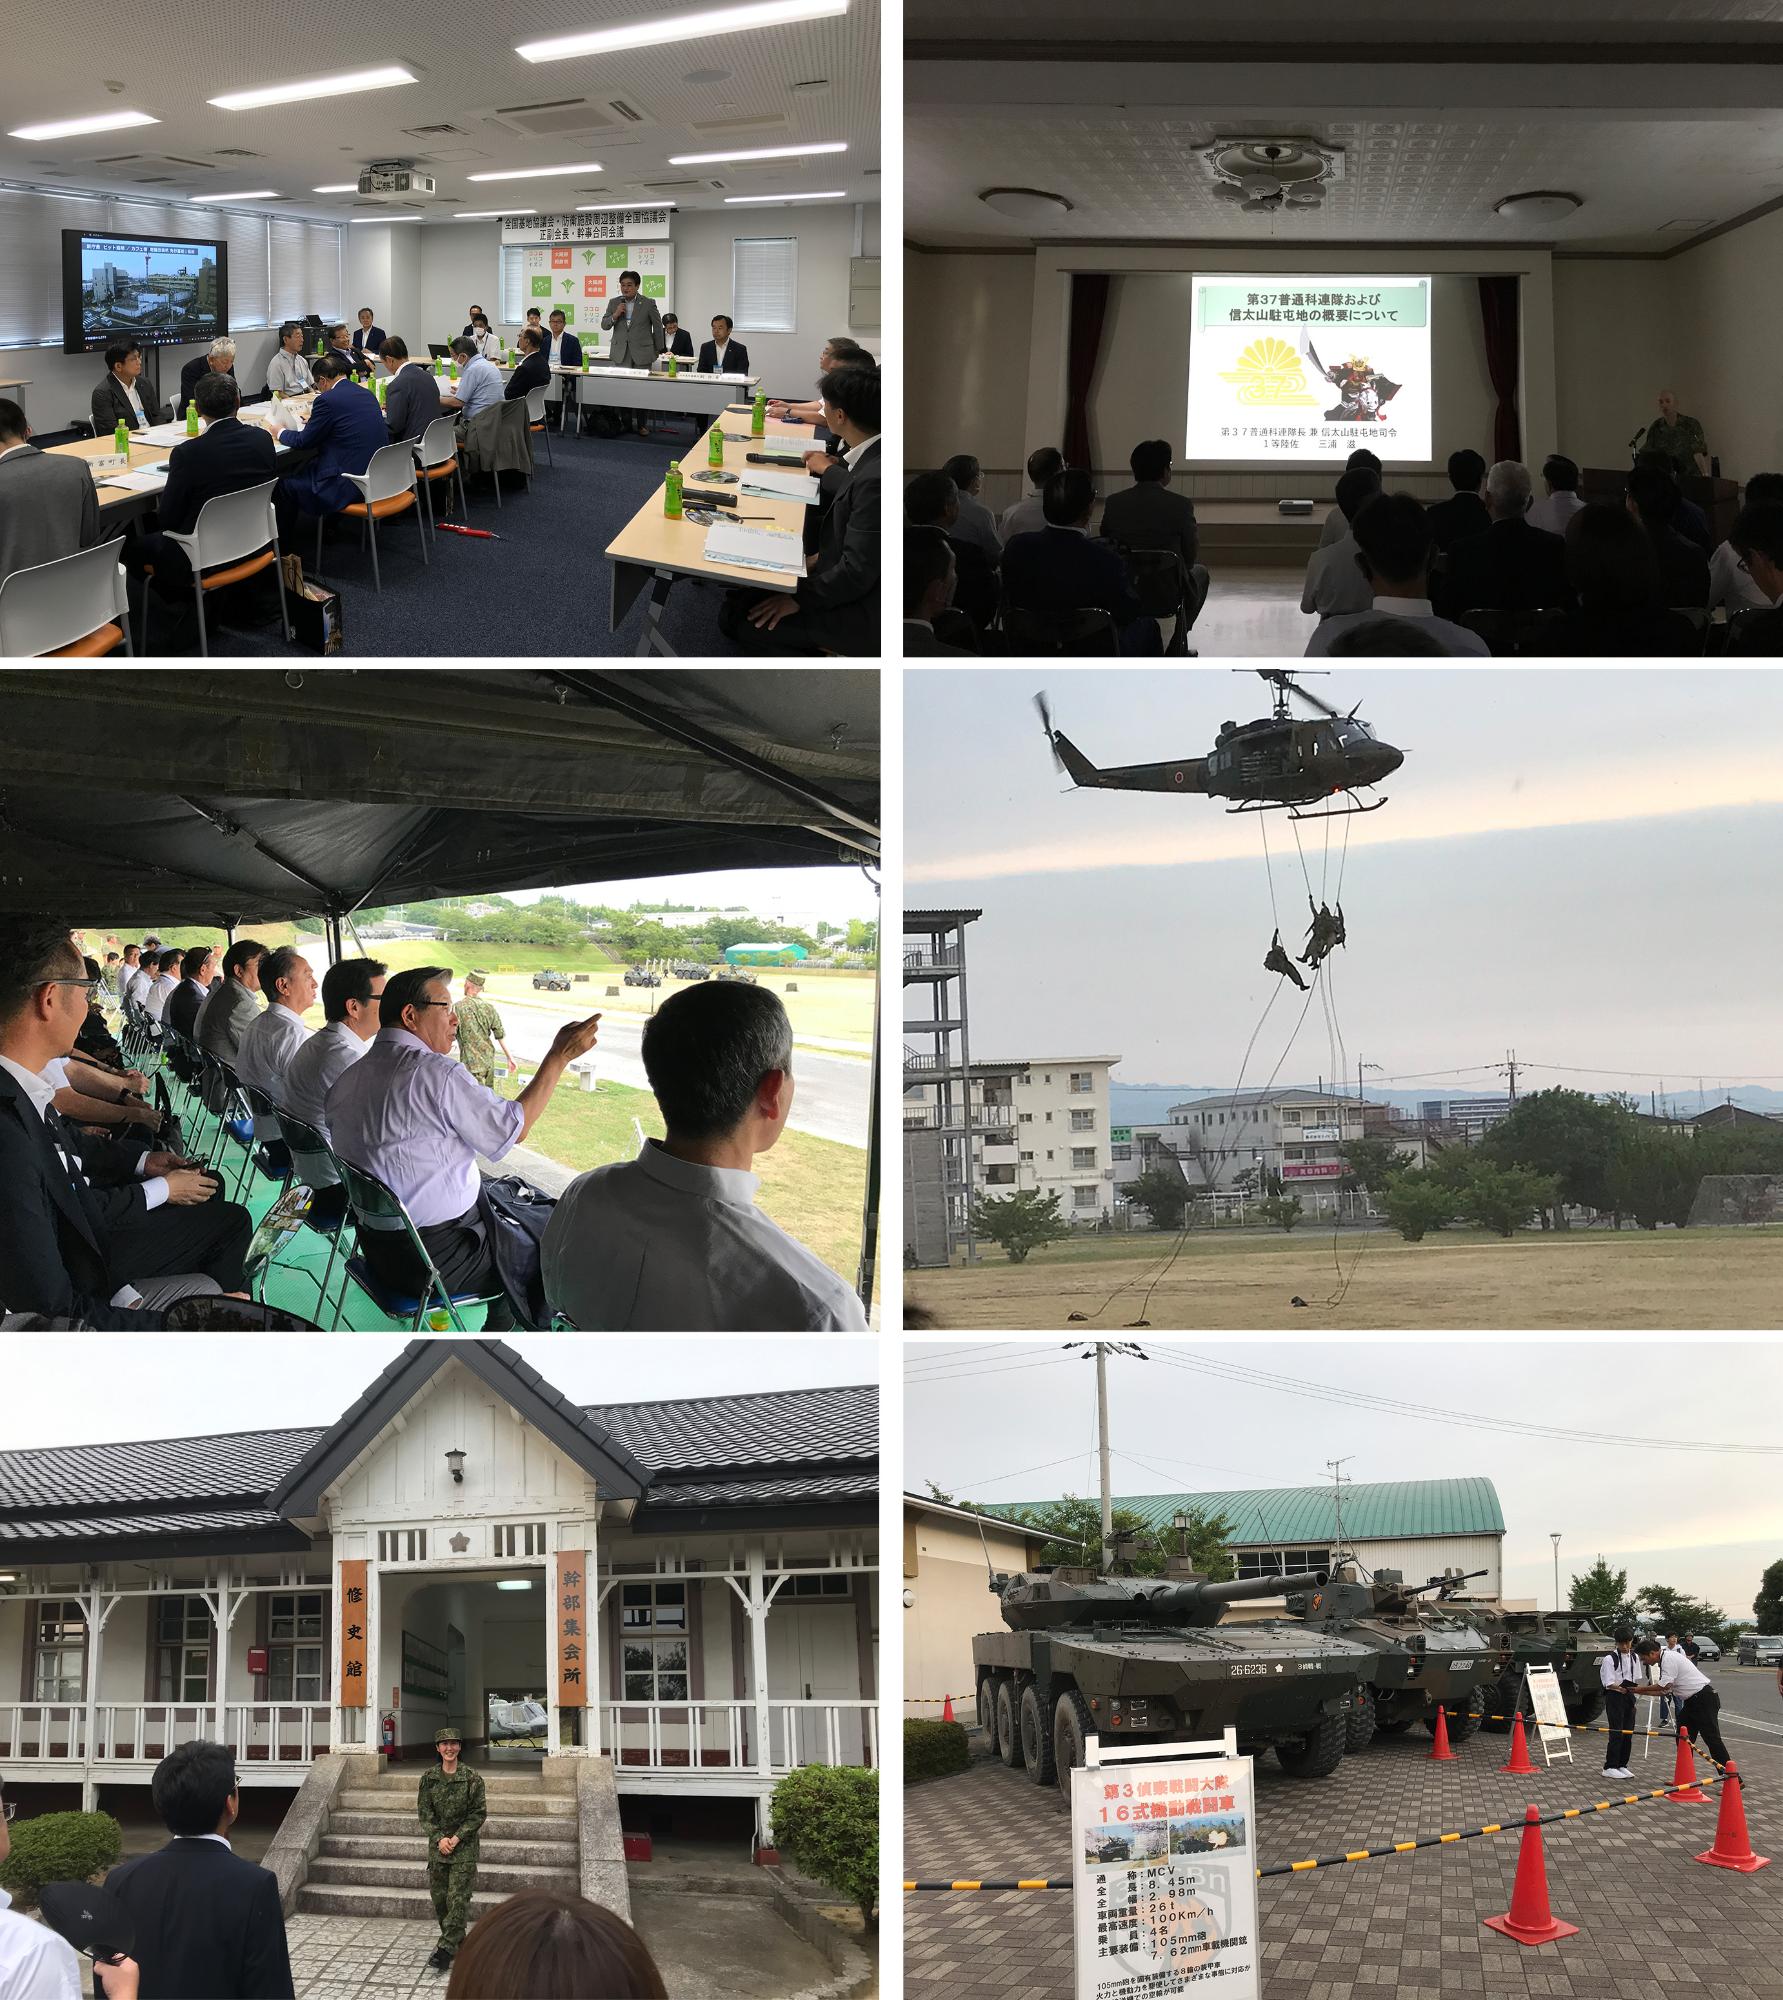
(1018, 1368)
(985, 1365)
(1006, 1350)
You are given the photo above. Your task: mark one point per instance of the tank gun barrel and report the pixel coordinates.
(1189, 1603)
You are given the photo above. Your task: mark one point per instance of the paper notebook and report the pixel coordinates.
(775, 551)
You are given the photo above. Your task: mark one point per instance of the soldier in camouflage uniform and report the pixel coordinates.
(452, 1808)
(480, 1031)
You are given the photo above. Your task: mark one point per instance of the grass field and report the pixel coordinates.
(813, 1188)
(1720, 1278)
(833, 1010)
(400, 953)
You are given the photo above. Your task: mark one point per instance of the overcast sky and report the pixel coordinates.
(983, 1419)
(834, 894)
(93, 1390)
(1575, 863)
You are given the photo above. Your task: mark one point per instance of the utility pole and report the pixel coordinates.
(1555, 1539)
(1339, 1480)
(1509, 1068)
(1101, 1349)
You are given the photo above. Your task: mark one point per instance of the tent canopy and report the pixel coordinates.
(184, 796)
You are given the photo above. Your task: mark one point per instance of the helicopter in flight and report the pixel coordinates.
(1281, 762)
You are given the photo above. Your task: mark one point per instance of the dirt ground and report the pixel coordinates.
(1719, 1278)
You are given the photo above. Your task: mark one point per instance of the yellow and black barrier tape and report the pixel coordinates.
(1362, 1853)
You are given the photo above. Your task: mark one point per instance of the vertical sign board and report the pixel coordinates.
(573, 1627)
(353, 1633)
(1163, 1873)
(1551, 1719)
(572, 263)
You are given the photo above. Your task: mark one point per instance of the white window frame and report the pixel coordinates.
(655, 1653)
(748, 288)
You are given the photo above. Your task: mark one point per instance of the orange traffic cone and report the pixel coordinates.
(1529, 1919)
(1520, 1765)
(1684, 1790)
(1440, 1753)
(947, 1708)
(1733, 1844)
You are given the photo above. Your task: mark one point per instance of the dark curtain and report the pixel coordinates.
(1089, 308)
(1500, 317)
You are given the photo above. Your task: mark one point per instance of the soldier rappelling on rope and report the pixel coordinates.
(1279, 961)
(1325, 935)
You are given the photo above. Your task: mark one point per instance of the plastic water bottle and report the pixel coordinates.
(439, 1320)
(192, 418)
(758, 416)
(715, 447)
(674, 366)
(382, 386)
(671, 491)
(120, 438)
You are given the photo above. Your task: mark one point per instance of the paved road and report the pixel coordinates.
(1751, 1707)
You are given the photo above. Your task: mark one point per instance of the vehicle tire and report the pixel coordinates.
(1464, 1716)
(1009, 1740)
(1318, 1753)
(1359, 1723)
(1583, 1704)
(1036, 1735)
(1070, 1733)
(1502, 1698)
(987, 1707)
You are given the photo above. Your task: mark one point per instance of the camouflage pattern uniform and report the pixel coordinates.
(453, 1805)
(1679, 441)
(479, 1029)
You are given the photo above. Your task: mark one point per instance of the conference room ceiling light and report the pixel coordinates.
(248, 194)
(490, 214)
(314, 86)
(607, 207)
(384, 218)
(77, 128)
(693, 27)
(539, 173)
(746, 200)
(338, 187)
(758, 153)
(1026, 204)
(1540, 205)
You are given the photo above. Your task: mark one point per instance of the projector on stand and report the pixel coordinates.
(393, 180)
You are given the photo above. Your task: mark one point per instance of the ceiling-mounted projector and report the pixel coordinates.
(393, 180)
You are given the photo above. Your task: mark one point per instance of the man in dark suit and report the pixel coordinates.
(367, 338)
(929, 572)
(1654, 499)
(1463, 513)
(1147, 515)
(338, 343)
(208, 1924)
(345, 428)
(89, 1228)
(1512, 566)
(217, 359)
(533, 372)
(123, 396)
(1061, 569)
(835, 608)
(412, 401)
(48, 508)
(721, 355)
(932, 500)
(196, 968)
(675, 337)
(227, 457)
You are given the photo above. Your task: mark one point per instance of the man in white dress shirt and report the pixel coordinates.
(1620, 1673)
(1699, 1706)
(166, 982)
(35, 1964)
(673, 1240)
(289, 982)
(288, 372)
(351, 991)
(411, 1113)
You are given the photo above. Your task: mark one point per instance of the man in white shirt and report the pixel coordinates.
(1393, 548)
(1561, 501)
(479, 382)
(1334, 583)
(273, 1038)
(1027, 516)
(673, 1240)
(1732, 585)
(1620, 1673)
(351, 991)
(35, 1964)
(165, 984)
(1699, 1706)
(288, 372)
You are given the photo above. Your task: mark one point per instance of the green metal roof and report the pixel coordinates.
(1298, 1516)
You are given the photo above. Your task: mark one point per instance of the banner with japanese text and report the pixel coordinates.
(573, 1627)
(1163, 1861)
(581, 279)
(610, 225)
(354, 1627)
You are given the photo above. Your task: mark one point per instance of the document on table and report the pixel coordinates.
(146, 479)
(776, 551)
(761, 484)
(162, 434)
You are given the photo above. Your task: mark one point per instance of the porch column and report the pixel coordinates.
(96, 1608)
(758, 1657)
(222, 1618)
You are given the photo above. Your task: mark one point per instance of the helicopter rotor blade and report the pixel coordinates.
(1045, 708)
(1284, 680)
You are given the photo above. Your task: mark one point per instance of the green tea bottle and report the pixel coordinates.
(671, 491)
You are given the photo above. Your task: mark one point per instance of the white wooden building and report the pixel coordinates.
(686, 1587)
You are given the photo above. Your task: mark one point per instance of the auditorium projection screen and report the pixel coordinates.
(1301, 369)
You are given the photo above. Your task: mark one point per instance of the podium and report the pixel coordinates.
(1718, 498)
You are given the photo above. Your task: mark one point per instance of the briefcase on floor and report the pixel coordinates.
(316, 617)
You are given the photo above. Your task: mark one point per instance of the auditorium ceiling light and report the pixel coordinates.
(1026, 204)
(1265, 176)
(759, 153)
(538, 173)
(694, 27)
(1541, 205)
(314, 86)
(75, 128)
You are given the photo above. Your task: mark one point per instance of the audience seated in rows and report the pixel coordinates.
(1394, 546)
(1062, 569)
(1336, 525)
(1613, 574)
(1148, 516)
(48, 508)
(1654, 501)
(1688, 519)
(164, 983)
(1464, 513)
(1335, 584)
(929, 576)
(932, 500)
(1512, 566)
(673, 1240)
(94, 1228)
(1027, 516)
(1560, 497)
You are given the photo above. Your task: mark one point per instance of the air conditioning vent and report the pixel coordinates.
(117, 159)
(817, 86)
(237, 153)
(741, 128)
(434, 132)
(670, 189)
(624, 111)
(558, 119)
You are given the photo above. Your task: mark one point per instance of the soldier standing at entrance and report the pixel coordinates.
(452, 1808)
(480, 1031)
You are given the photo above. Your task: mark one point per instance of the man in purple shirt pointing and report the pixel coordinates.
(411, 1113)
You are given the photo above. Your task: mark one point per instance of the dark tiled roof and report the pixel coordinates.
(184, 1521)
(781, 1427)
(775, 1491)
(239, 1465)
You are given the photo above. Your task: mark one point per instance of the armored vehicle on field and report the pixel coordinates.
(1145, 1659)
(641, 975)
(1571, 1642)
(550, 981)
(1420, 1656)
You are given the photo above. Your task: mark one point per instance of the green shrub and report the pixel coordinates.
(934, 1749)
(58, 1847)
(826, 1820)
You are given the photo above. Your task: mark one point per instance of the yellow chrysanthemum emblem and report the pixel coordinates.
(1269, 371)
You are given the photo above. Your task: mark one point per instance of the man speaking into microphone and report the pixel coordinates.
(1678, 439)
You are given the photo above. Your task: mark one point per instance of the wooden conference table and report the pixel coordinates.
(651, 551)
(603, 386)
(118, 505)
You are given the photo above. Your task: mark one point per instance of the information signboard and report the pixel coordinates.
(1551, 1721)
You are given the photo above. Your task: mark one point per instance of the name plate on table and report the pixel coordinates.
(773, 551)
(799, 487)
(102, 468)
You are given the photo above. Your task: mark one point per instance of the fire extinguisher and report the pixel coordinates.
(387, 1734)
